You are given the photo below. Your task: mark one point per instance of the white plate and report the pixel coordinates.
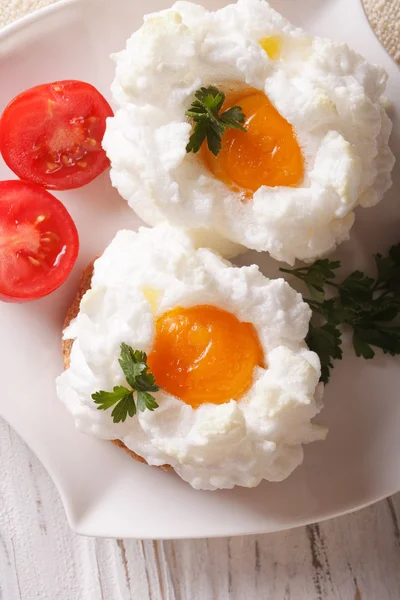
(104, 491)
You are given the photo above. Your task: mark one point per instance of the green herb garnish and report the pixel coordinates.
(208, 123)
(136, 371)
(370, 306)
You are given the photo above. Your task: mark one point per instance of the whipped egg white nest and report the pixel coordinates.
(144, 274)
(329, 94)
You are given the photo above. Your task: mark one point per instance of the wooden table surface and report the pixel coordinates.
(356, 557)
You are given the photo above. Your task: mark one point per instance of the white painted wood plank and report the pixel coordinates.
(207, 563)
(361, 552)
(112, 570)
(48, 560)
(351, 558)
(136, 569)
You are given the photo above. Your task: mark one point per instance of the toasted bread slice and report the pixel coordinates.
(84, 285)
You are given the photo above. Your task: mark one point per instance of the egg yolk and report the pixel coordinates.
(268, 153)
(204, 355)
(272, 46)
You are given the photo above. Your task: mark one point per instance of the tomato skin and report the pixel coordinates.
(39, 242)
(51, 134)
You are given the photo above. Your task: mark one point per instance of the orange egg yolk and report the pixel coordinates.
(268, 153)
(204, 355)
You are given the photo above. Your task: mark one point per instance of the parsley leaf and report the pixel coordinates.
(108, 399)
(198, 136)
(145, 400)
(326, 342)
(356, 289)
(123, 408)
(370, 306)
(134, 366)
(233, 118)
(316, 276)
(209, 124)
(387, 339)
(132, 362)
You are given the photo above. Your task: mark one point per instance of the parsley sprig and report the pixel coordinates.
(209, 124)
(134, 365)
(370, 306)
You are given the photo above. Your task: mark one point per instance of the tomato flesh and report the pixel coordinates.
(39, 242)
(51, 134)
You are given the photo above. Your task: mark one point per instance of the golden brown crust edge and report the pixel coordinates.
(84, 285)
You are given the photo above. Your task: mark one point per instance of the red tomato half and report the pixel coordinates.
(38, 242)
(51, 134)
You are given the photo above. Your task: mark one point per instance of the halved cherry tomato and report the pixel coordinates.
(38, 242)
(51, 134)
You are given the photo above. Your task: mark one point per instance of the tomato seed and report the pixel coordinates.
(50, 106)
(52, 235)
(35, 262)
